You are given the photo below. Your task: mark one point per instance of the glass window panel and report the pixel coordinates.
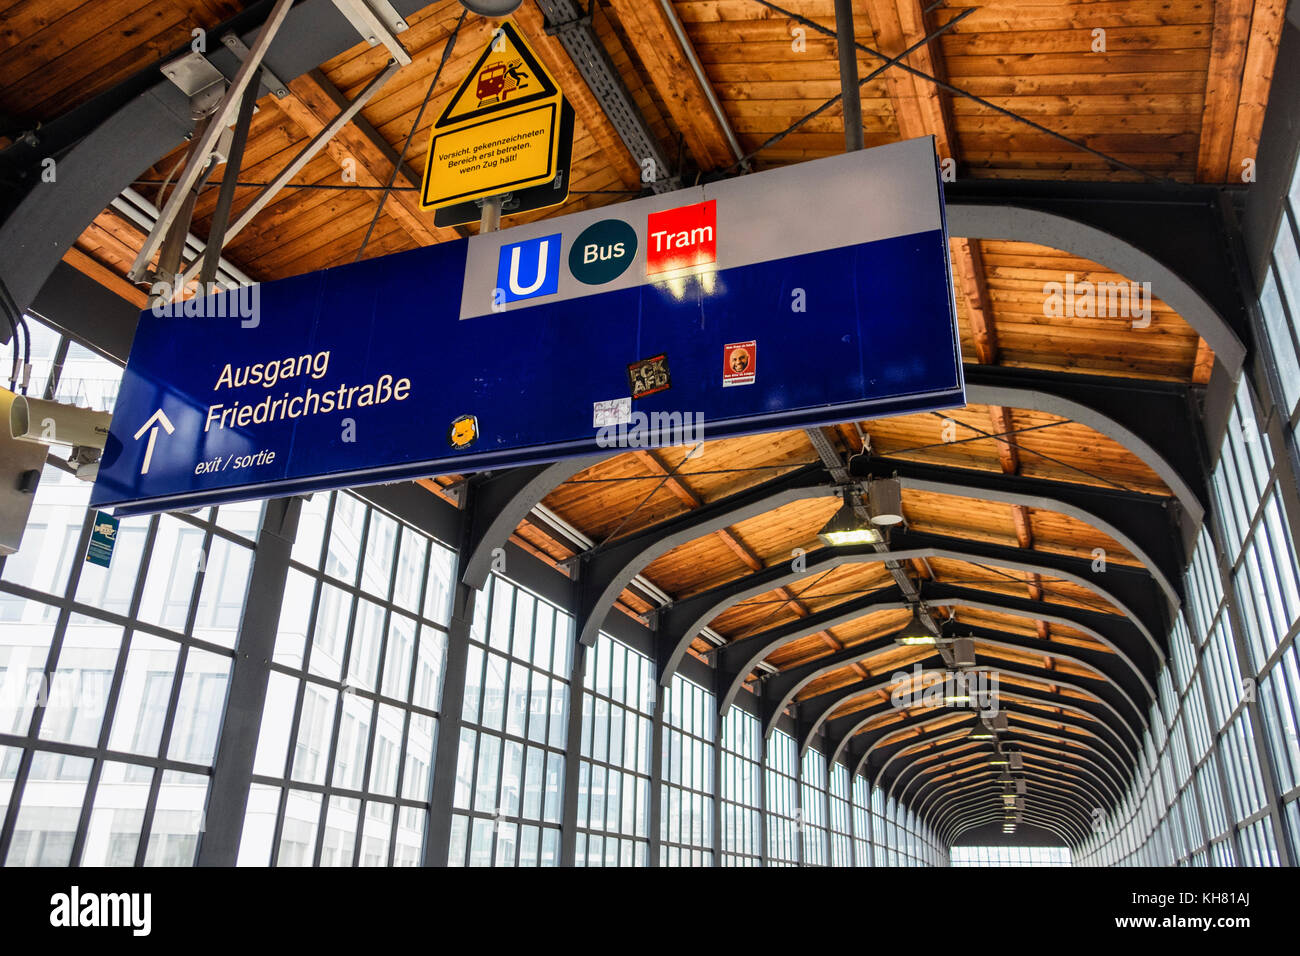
(221, 598)
(277, 719)
(315, 727)
(259, 825)
(24, 651)
(169, 584)
(50, 811)
(381, 540)
(78, 690)
(143, 698)
(200, 708)
(311, 530)
(177, 820)
(298, 835)
(110, 589)
(329, 636)
(339, 846)
(118, 815)
(344, 546)
(295, 614)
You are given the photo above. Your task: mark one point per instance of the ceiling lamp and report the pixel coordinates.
(981, 731)
(998, 760)
(885, 496)
(963, 652)
(491, 8)
(916, 631)
(846, 527)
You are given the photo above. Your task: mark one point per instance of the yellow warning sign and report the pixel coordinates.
(500, 132)
(492, 156)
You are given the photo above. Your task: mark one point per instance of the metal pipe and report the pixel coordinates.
(226, 197)
(847, 40)
(703, 80)
(204, 141)
(490, 221)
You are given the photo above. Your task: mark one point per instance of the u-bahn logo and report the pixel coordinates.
(528, 269)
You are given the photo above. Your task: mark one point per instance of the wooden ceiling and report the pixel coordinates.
(1167, 89)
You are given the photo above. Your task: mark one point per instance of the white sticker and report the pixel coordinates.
(616, 411)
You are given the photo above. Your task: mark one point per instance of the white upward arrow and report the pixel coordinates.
(157, 418)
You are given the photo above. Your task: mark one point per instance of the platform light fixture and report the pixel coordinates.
(916, 632)
(847, 527)
(885, 498)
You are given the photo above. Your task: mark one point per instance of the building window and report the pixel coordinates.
(782, 799)
(742, 774)
(344, 760)
(686, 809)
(510, 764)
(614, 773)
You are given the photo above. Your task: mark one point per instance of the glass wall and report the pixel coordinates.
(841, 840)
(781, 778)
(510, 766)
(1011, 856)
(112, 680)
(1200, 796)
(813, 806)
(742, 774)
(686, 830)
(344, 761)
(614, 775)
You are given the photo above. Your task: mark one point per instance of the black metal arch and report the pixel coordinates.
(842, 729)
(1156, 421)
(962, 764)
(778, 691)
(889, 750)
(1084, 775)
(1047, 788)
(985, 817)
(1095, 710)
(1142, 523)
(1106, 772)
(502, 500)
(971, 806)
(677, 624)
(1169, 235)
(1047, 791)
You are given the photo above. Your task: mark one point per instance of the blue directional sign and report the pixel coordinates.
(806, 295)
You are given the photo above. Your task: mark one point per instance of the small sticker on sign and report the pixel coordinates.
(649, 376)
(739, 363)
(616, 411)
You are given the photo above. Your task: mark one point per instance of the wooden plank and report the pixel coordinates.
(1228, 43)
(106, 277)
(656, 44)
(1261, 57)
(371, 152)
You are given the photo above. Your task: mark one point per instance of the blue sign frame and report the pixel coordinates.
(371, 372)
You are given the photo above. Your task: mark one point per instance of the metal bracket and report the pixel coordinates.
(377, 22)
(272, 83)
(572, 567)
(199, 80)
(458, 493)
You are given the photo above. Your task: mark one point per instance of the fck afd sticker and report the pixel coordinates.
(739, 363)
(648, 376)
